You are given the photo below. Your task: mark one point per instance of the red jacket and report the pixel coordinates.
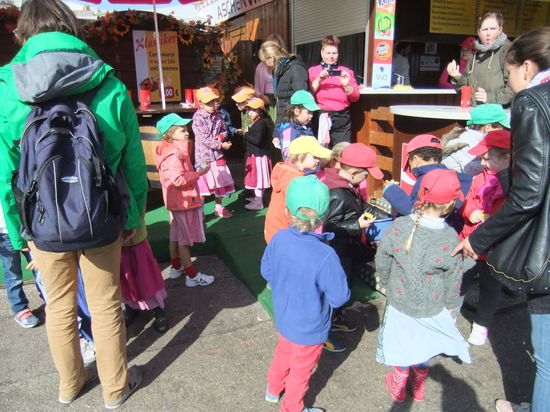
(485, 194)
(177, 176)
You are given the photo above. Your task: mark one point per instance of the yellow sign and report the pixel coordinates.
(461, 16)
(147, 67)
(453, 16)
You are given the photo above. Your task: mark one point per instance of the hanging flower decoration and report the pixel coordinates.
(186, 36)
(230, 74)
(206, 60)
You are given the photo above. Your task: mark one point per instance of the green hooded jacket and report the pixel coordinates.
(51, 65)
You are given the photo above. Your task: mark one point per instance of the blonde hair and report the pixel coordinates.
(337, 151)
(309, 225)
(295, 158)
(420, 210)
(168, 135)
(273, 49)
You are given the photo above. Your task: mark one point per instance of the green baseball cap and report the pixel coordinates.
(172, 119)
(304, 98)
(307, 191)
(489, 113)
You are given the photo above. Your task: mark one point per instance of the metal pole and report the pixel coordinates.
(159, 57)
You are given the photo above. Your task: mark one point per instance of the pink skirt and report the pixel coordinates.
(141, 280)
(186, 227)
(258, 172)
(217, 181)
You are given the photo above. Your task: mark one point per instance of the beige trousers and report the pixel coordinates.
(100, 269)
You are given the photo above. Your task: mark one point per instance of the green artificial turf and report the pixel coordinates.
(239, 241)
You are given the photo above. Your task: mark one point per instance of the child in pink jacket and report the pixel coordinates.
(181, 197)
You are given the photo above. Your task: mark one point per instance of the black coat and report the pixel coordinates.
(528, 199)
(257, 138)
(289, 77)
(345, 208)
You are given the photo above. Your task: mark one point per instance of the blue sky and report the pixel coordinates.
(181, 11)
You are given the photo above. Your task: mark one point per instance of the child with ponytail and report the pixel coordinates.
(422, 282)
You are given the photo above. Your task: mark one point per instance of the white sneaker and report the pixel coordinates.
(200, 280)
(175, 273)
(87, 349)
(478, 336)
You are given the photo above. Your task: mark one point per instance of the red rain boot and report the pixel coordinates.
(418, 378)
(396, 381)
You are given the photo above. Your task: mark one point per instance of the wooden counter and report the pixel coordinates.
(373, 123)
(149, 134)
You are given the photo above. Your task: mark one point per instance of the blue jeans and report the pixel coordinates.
(13, 277)
(540, 339)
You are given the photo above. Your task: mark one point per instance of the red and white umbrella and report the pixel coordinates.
(154, 4)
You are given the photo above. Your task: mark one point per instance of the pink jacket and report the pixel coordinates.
(177, 177)
(330, 95)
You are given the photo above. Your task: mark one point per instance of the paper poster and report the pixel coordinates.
(381, 76)
(147, 67)
(383, 50)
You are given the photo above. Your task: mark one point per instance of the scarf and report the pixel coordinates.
(497, 44)
(540, 78)
(329, 66)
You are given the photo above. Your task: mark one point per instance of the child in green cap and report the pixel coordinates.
(181, 197)
(306, 286)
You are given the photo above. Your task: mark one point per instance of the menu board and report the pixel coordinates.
(453, 16)
(147, 64)
(461, 16)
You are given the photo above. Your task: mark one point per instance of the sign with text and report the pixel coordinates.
(461, 16)
(222, 10)
(453, 16)
(384, 27)
(147, 67)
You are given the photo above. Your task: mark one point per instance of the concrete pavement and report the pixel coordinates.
(215, 355)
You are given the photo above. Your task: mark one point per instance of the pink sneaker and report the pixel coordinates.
(221, 211)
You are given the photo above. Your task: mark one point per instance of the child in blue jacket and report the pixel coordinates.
(307, 282)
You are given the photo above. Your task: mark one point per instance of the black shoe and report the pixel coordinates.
(129, 315)
(161, 321)
(341, 324)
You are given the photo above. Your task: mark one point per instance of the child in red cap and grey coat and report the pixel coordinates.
(422, 282)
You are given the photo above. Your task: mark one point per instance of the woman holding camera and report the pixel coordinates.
(335, 88)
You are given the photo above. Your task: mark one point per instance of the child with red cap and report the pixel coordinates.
(486, 195)
(346, 220)
(424, 154)
(422, 282)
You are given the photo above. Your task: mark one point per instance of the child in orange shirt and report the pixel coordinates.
(304, 154)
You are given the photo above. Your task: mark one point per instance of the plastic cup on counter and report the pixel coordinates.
(189, 96)
(465, 96)
(145, 99)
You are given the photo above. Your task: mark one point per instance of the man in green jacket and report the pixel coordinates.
(53, 62)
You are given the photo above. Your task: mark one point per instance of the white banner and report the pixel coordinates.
(222, 10)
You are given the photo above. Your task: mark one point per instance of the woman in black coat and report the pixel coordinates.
(289, 76)
(525, 214)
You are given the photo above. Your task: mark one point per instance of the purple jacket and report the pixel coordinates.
(210, 131)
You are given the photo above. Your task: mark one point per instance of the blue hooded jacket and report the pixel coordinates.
(307, 282)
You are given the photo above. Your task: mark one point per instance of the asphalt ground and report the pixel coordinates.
(216, 353)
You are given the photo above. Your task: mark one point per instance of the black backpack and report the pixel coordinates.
(66, 195)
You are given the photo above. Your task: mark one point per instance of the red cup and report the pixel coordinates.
(465, 96)
(188, 96)
(145, 99)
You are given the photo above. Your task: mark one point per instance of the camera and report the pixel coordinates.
(334, 72)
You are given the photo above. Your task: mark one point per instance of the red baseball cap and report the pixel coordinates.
(362, 156)
(439, 186)
(423, 140)
(494, 138)
(468, 43)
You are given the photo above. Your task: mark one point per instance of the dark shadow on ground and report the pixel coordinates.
(366, 317)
